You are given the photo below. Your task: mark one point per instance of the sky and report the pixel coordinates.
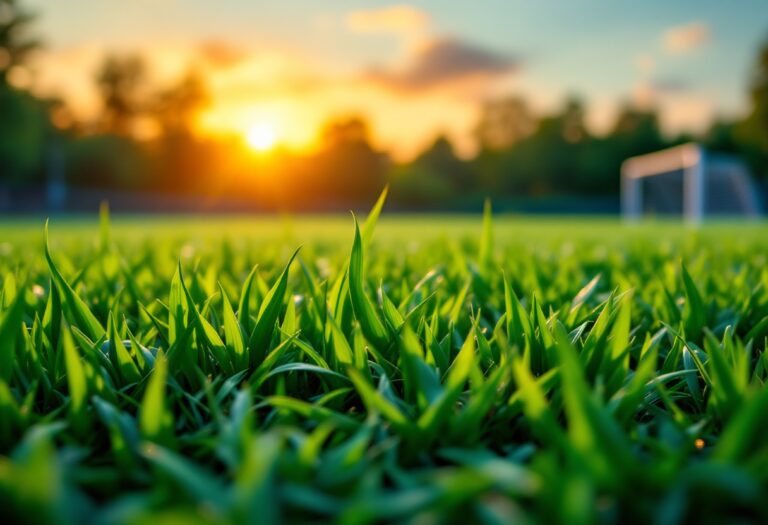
(412, 69)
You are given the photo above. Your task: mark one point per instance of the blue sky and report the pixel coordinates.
(690, 59)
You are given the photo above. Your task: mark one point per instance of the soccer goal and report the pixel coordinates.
(686, 181)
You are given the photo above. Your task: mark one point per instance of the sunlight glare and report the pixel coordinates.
(261, 137)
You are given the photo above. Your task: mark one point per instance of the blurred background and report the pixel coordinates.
(239, 106)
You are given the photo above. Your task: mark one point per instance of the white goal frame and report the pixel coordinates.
(693, 160)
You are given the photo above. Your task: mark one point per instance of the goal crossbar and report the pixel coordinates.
(688, 157)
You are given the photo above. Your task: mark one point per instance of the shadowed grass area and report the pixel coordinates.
(438, 370)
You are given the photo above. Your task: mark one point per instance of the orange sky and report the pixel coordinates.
(293, 92)
(414, 70)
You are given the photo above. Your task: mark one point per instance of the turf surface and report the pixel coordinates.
(438, 371)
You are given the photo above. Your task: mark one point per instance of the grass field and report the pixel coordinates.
(439, 370)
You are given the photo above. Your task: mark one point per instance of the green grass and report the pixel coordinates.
(437, 370)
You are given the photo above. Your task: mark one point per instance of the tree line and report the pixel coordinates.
(144, 141)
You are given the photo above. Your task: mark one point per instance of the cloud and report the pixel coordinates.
(686, 38)
(221, 54)
(649, 93)
(671, 86)
(443, 61)
(399, 19)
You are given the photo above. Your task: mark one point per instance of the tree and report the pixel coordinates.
(183, 160)
(435, 178)
(504, 122)
(722, 136)
(120, 80)
(440, 159)
(24, 129)
(638, 126)
(346, 168)
(176, 107)
(344, 132)
(635, 132)
(16, 44)
(751, 134)
(572, 125)
(759, 95)
(554, 151)
(23, 118)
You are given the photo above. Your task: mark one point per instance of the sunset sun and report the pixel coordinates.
(261, 137)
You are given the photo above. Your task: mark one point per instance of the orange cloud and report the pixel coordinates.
(686, 38)
(221, 54)
(393, 19)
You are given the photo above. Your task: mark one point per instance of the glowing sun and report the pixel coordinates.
(261, 137)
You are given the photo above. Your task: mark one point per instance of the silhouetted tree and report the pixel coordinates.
(120, 79)
(556, 147)
(23, 130)
(184, 162)
(573, 127)
(16, 43)
(751, 134)
(23, 118)
(346, 168)
(175, 108)
(637, 125)
(504, 122)
(344, 132)
(437, 177)
(107, 161)
(441, 160)
(721, 136)
(758, 118)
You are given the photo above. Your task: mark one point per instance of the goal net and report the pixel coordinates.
(686, 181)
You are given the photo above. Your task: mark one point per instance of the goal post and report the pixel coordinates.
(686, 180)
